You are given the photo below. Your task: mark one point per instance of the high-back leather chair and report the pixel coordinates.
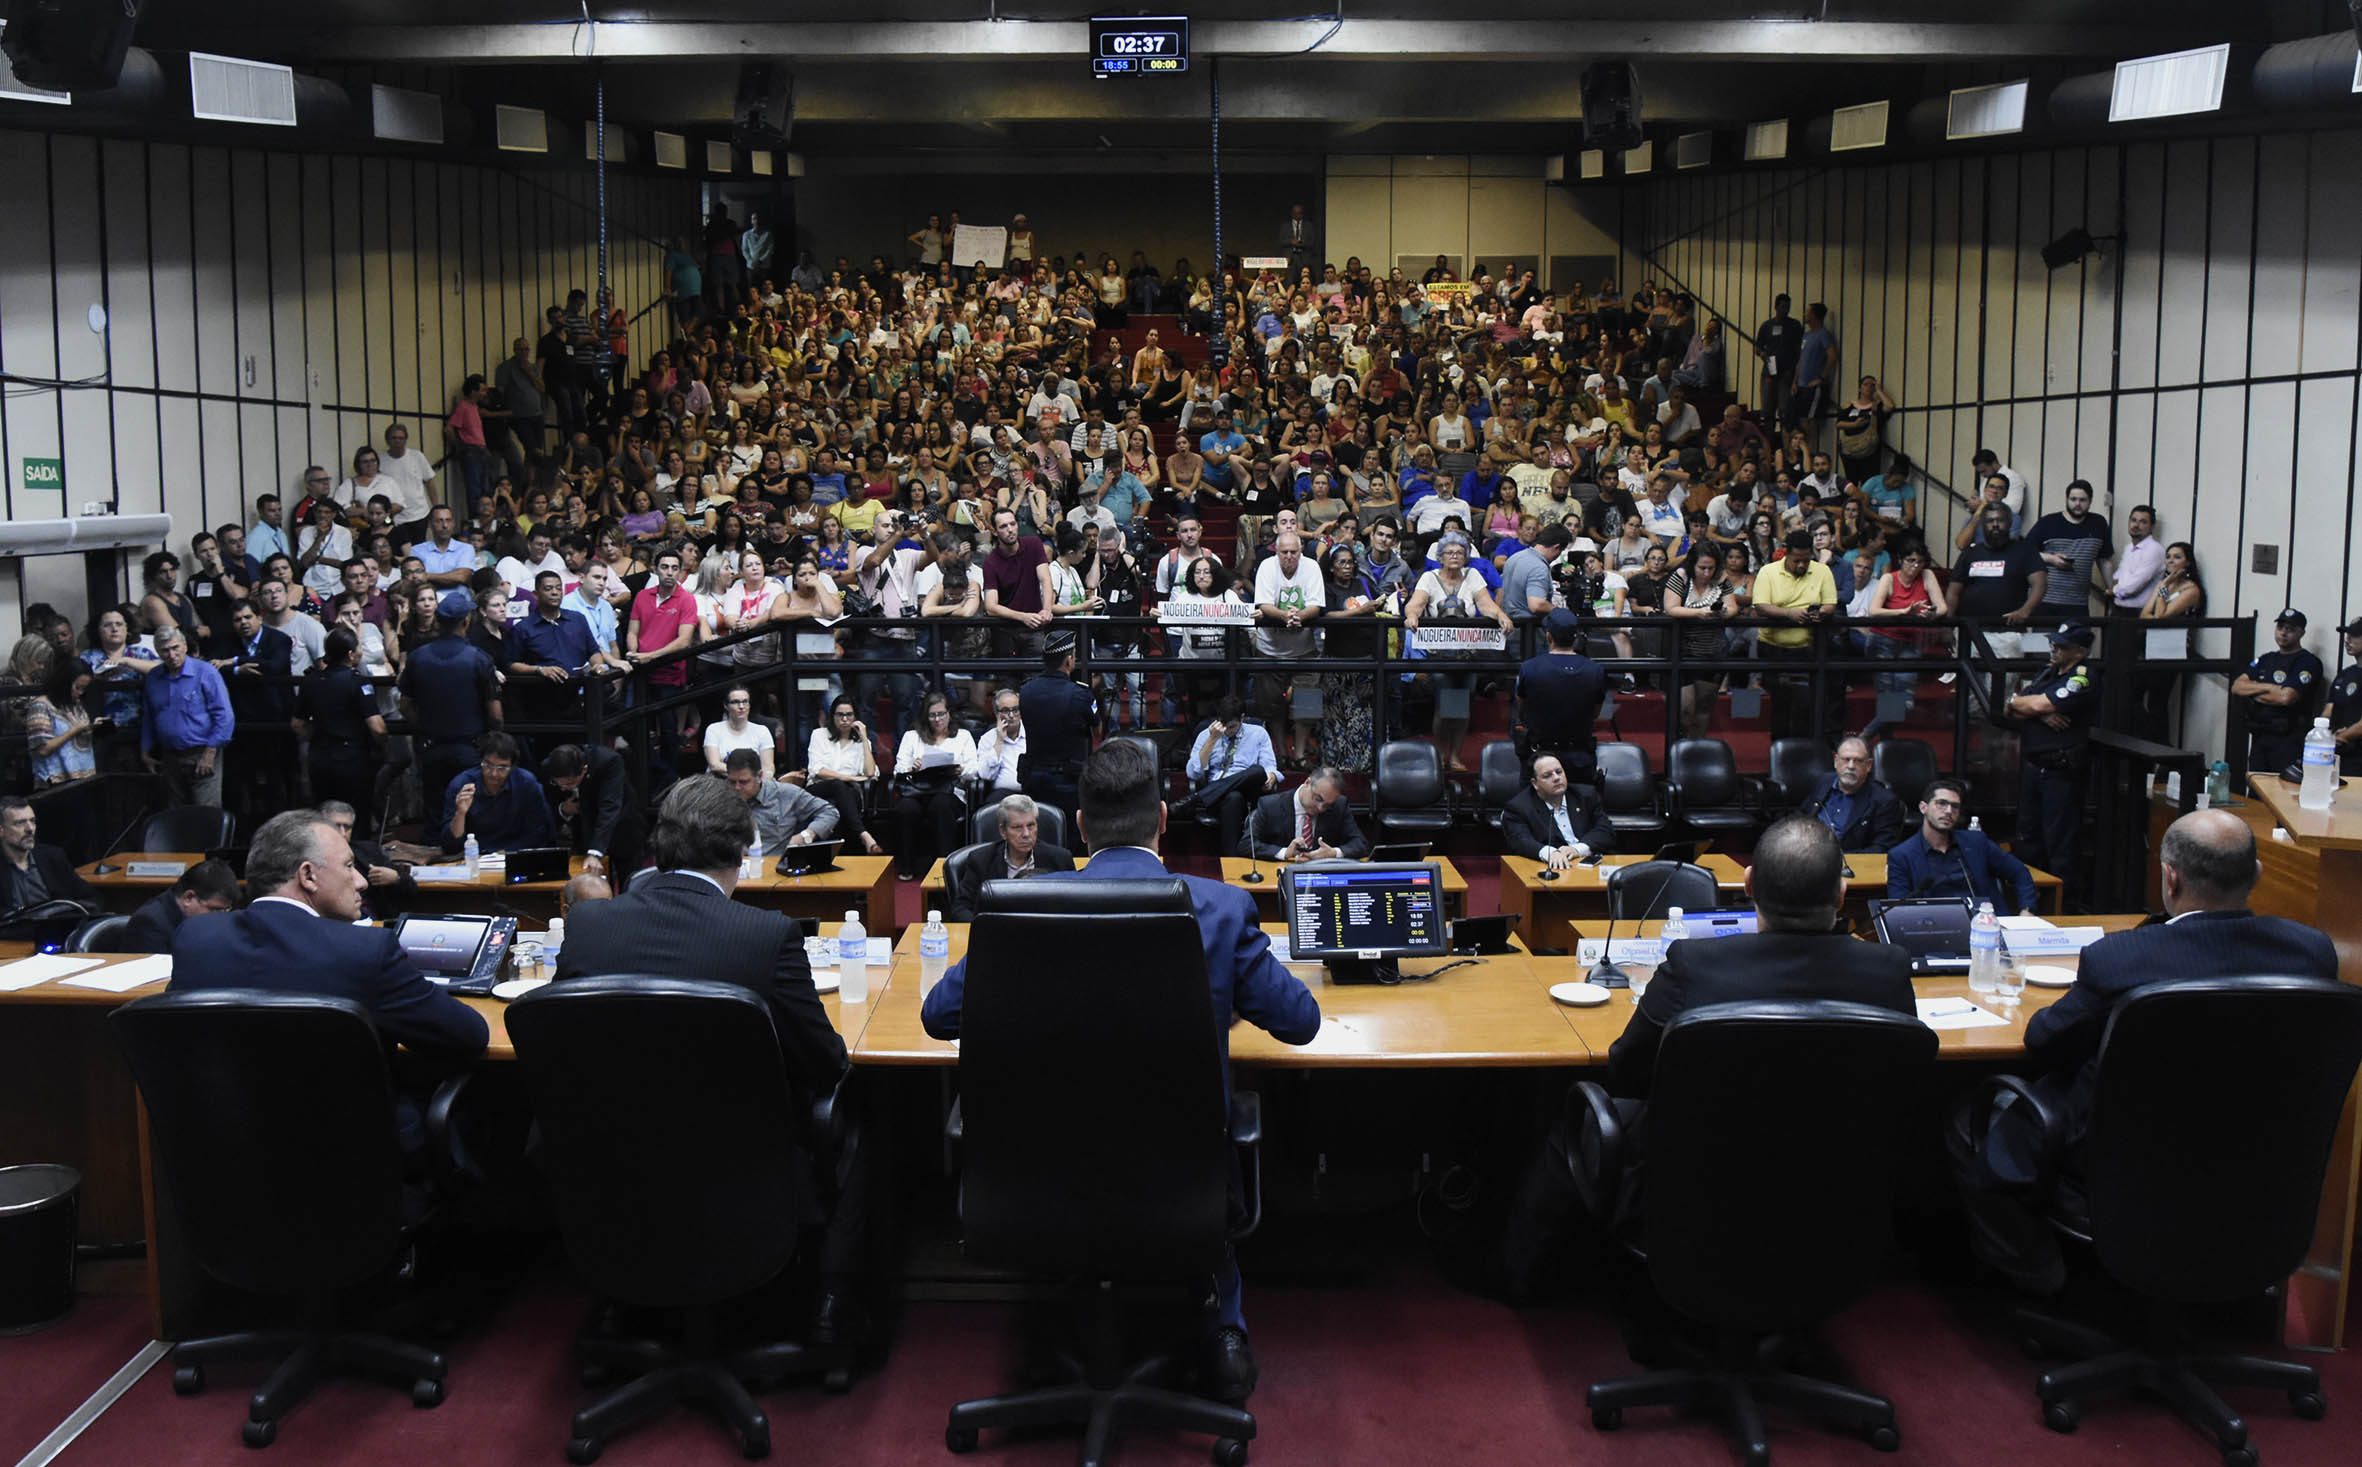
(1906, 766)
(1796, 766)
(1773, 1132)
(101, 935)
(1499, 776)
(679, 1159)
(1410, 795)
(2196, 1194)
(188, 828)
(1135, 1186)
(275, 1135)
(985, 824)
(1628, 795)
(1704, 791)
(1645, 889)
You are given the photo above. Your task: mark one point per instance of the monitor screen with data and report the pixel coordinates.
(1345, 910)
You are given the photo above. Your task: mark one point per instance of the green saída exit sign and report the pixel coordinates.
(45, 473)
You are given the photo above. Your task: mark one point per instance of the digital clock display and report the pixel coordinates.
(1138, 45)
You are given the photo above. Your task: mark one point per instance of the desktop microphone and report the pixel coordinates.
(103, 868)
(1607, 972)
(1254, 876)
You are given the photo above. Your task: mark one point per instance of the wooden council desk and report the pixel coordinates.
(1234, 871)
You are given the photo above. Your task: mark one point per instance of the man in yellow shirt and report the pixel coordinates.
(1797, 588)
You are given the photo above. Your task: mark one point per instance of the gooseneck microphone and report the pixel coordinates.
(1607, 972)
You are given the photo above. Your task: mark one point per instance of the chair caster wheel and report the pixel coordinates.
(426, 1394)
(1885, 1439)
(1230, 1451)
(756, 1444)
(837, 1381)
(2062, 1416)
(2309, 1405)
(188, 1380)
(260, 1433)
(583, 1450)
(1606, 1418)
(2239, 1457)
(959, 1438)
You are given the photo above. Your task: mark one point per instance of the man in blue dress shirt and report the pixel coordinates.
(1231, 765)
(187, 723)
(1942, 860)
(547, 649)
(502, 806)
(1122, 818)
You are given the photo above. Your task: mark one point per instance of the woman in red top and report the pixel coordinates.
(1908, 592)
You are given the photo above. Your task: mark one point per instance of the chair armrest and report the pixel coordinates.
(2050, 1128)
(830, 1115)
(1246, 1133)
(955, 1125)
(447, 1161)
(1759, 791)
(1594, 1143)
(1669, 796)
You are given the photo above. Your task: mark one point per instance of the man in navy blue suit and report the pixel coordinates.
(2207, 869)
(1121, 816)
(297, 936)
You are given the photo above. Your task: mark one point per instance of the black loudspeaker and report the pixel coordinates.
(2068, 248)
(1611, 106)
(69, 45)
(766, 113)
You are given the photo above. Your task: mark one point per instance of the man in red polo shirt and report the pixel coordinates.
(664, 619)
(1013, 589)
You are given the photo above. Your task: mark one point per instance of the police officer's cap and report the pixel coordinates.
(2080, 633)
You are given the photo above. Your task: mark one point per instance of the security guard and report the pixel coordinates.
(2283, 690)
(2052, 714)
(2345, 702)
(451, 694)
(1558, 697)
(1058, 714)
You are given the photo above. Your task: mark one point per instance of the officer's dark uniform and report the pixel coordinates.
(451, 686)
(1058, 714)
(2055, 766)
(338, 705)
(2345, 706)
(1559, 694)
(2276, 736)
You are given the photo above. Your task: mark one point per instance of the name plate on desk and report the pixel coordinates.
(146, 870)
(1435, 640)
(2050, 941)
(1645, 950)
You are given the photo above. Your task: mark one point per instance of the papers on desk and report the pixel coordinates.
(2026, 923)
(39, 969)
(492, 861)
(124, 977)
(2048, 941)
(823, 953)
(1649, 951)
(428, 875)
(1955, 1013)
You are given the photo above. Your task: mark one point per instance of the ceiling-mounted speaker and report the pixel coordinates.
(1611, 106)
(68, 45)
(765, 116)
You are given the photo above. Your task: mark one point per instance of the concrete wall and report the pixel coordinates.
(1406, 210)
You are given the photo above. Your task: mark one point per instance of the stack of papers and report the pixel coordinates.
(41, 968)
(1955, 1013)
(124, 977)
(429, 874)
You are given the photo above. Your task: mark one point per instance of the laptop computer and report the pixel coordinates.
(1405, 851)
(1684, 851)
(1933, 930)
(820, 855)
(537, 863)
(1486, 936)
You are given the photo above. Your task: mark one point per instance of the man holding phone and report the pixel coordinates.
(1231, 765)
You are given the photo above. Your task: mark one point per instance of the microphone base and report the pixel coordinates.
(1608, 974)
(1253, 878)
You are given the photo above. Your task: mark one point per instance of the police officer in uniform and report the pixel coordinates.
(2052, 714)
(1058, 715)
(1558, 695)
(453, 695)
(2283, 690)
(2345, 702)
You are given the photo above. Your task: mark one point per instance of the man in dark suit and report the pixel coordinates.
(207, 887)
(2207, 867)
(1020, 852)
(1120, 814)
(1864, 813)
(32, 873)
(1309, 823)
(297, 936)
(595, 807)
(1798, 886)
(1299, 240)
(1555, 822)
(679, 921)
(262, 761)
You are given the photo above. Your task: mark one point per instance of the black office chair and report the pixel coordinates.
(1499, 776)
(274, 1130)
(1906, 766)
(1796, 766)
(2195, 1194)
(1645, 889)
(101, 935)
(1704, 791)
(1409, 795)
(1628, 796)
(985, 824)
(1132, 1187)
(679, 1160)
(189, 828)
(1773, 1132)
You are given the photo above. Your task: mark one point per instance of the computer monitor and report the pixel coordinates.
(1360, 919)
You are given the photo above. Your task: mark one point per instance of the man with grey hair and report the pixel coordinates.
(297, 935)
(1018, 853)
(187, 721)
(1864, 814)
(785, 814)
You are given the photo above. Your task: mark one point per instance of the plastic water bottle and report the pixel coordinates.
(934, 952)
(750, 865)
(1676, 928)
(473, 854)
(852, 961)
(2320, 786)
(2218, 785)
(1984, 953)
(1977, 823)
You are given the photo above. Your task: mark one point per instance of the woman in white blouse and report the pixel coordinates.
(929, 767)
(839, 764)
(744, 605)
(736, 731)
